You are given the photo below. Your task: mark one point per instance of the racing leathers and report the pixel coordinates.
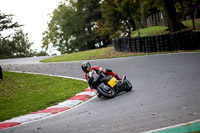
(106, 71)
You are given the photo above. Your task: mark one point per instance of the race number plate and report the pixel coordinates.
(113, 81)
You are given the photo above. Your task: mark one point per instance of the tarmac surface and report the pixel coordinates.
(166, 91)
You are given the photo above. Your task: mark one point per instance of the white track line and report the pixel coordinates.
(51, 75)
(174, 126)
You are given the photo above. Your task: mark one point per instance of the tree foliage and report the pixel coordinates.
(16, 44)
(188, 8)
(82, 24)
(71, 26)
(6, 22)
(171, 15)
(118, 17)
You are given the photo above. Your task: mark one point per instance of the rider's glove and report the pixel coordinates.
(100, 72)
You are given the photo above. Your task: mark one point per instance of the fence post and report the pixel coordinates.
(162, 19)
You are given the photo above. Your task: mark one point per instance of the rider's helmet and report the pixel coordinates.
(86, 67)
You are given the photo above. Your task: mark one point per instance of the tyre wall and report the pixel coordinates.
(185, 40)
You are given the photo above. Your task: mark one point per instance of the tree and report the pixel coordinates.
(21, 42)
(148, 7)
(72, 26)
(90, 10)
(109, 25)
(188, 8)
(16, 44)
(118, 18)
(7, 23)
(143, 18)
(61, 29)
(171, 15)
(197, 11)
(128, 11)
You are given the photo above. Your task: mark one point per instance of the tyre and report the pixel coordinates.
(98, 94)
(107, 94)
(128, 85)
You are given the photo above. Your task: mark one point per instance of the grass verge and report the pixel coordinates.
(22, 94)
(155, 30)
(102, 53)
(150, 31)
(84, 55)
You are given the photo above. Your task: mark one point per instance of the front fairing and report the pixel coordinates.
(93, 77)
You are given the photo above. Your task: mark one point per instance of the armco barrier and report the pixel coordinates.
(185, 40)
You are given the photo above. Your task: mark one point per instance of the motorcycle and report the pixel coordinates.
(106, 85)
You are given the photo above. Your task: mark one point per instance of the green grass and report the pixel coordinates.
(85, 55)
(155, 30)
(188, 23)
(150, 31)
(25, 93)
(102, 53)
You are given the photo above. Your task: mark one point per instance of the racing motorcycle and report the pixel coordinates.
(106, 85)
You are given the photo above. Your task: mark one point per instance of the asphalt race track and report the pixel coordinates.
(166, 91)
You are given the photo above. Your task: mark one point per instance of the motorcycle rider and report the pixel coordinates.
(86, 67)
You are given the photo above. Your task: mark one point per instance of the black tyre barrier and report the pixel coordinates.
(197, 38)
(117, 44)
(185, 40)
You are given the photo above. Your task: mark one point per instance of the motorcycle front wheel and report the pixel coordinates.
(128, 85)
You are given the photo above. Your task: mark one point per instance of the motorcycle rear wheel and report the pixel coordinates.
(112, 93)
(98, 94)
